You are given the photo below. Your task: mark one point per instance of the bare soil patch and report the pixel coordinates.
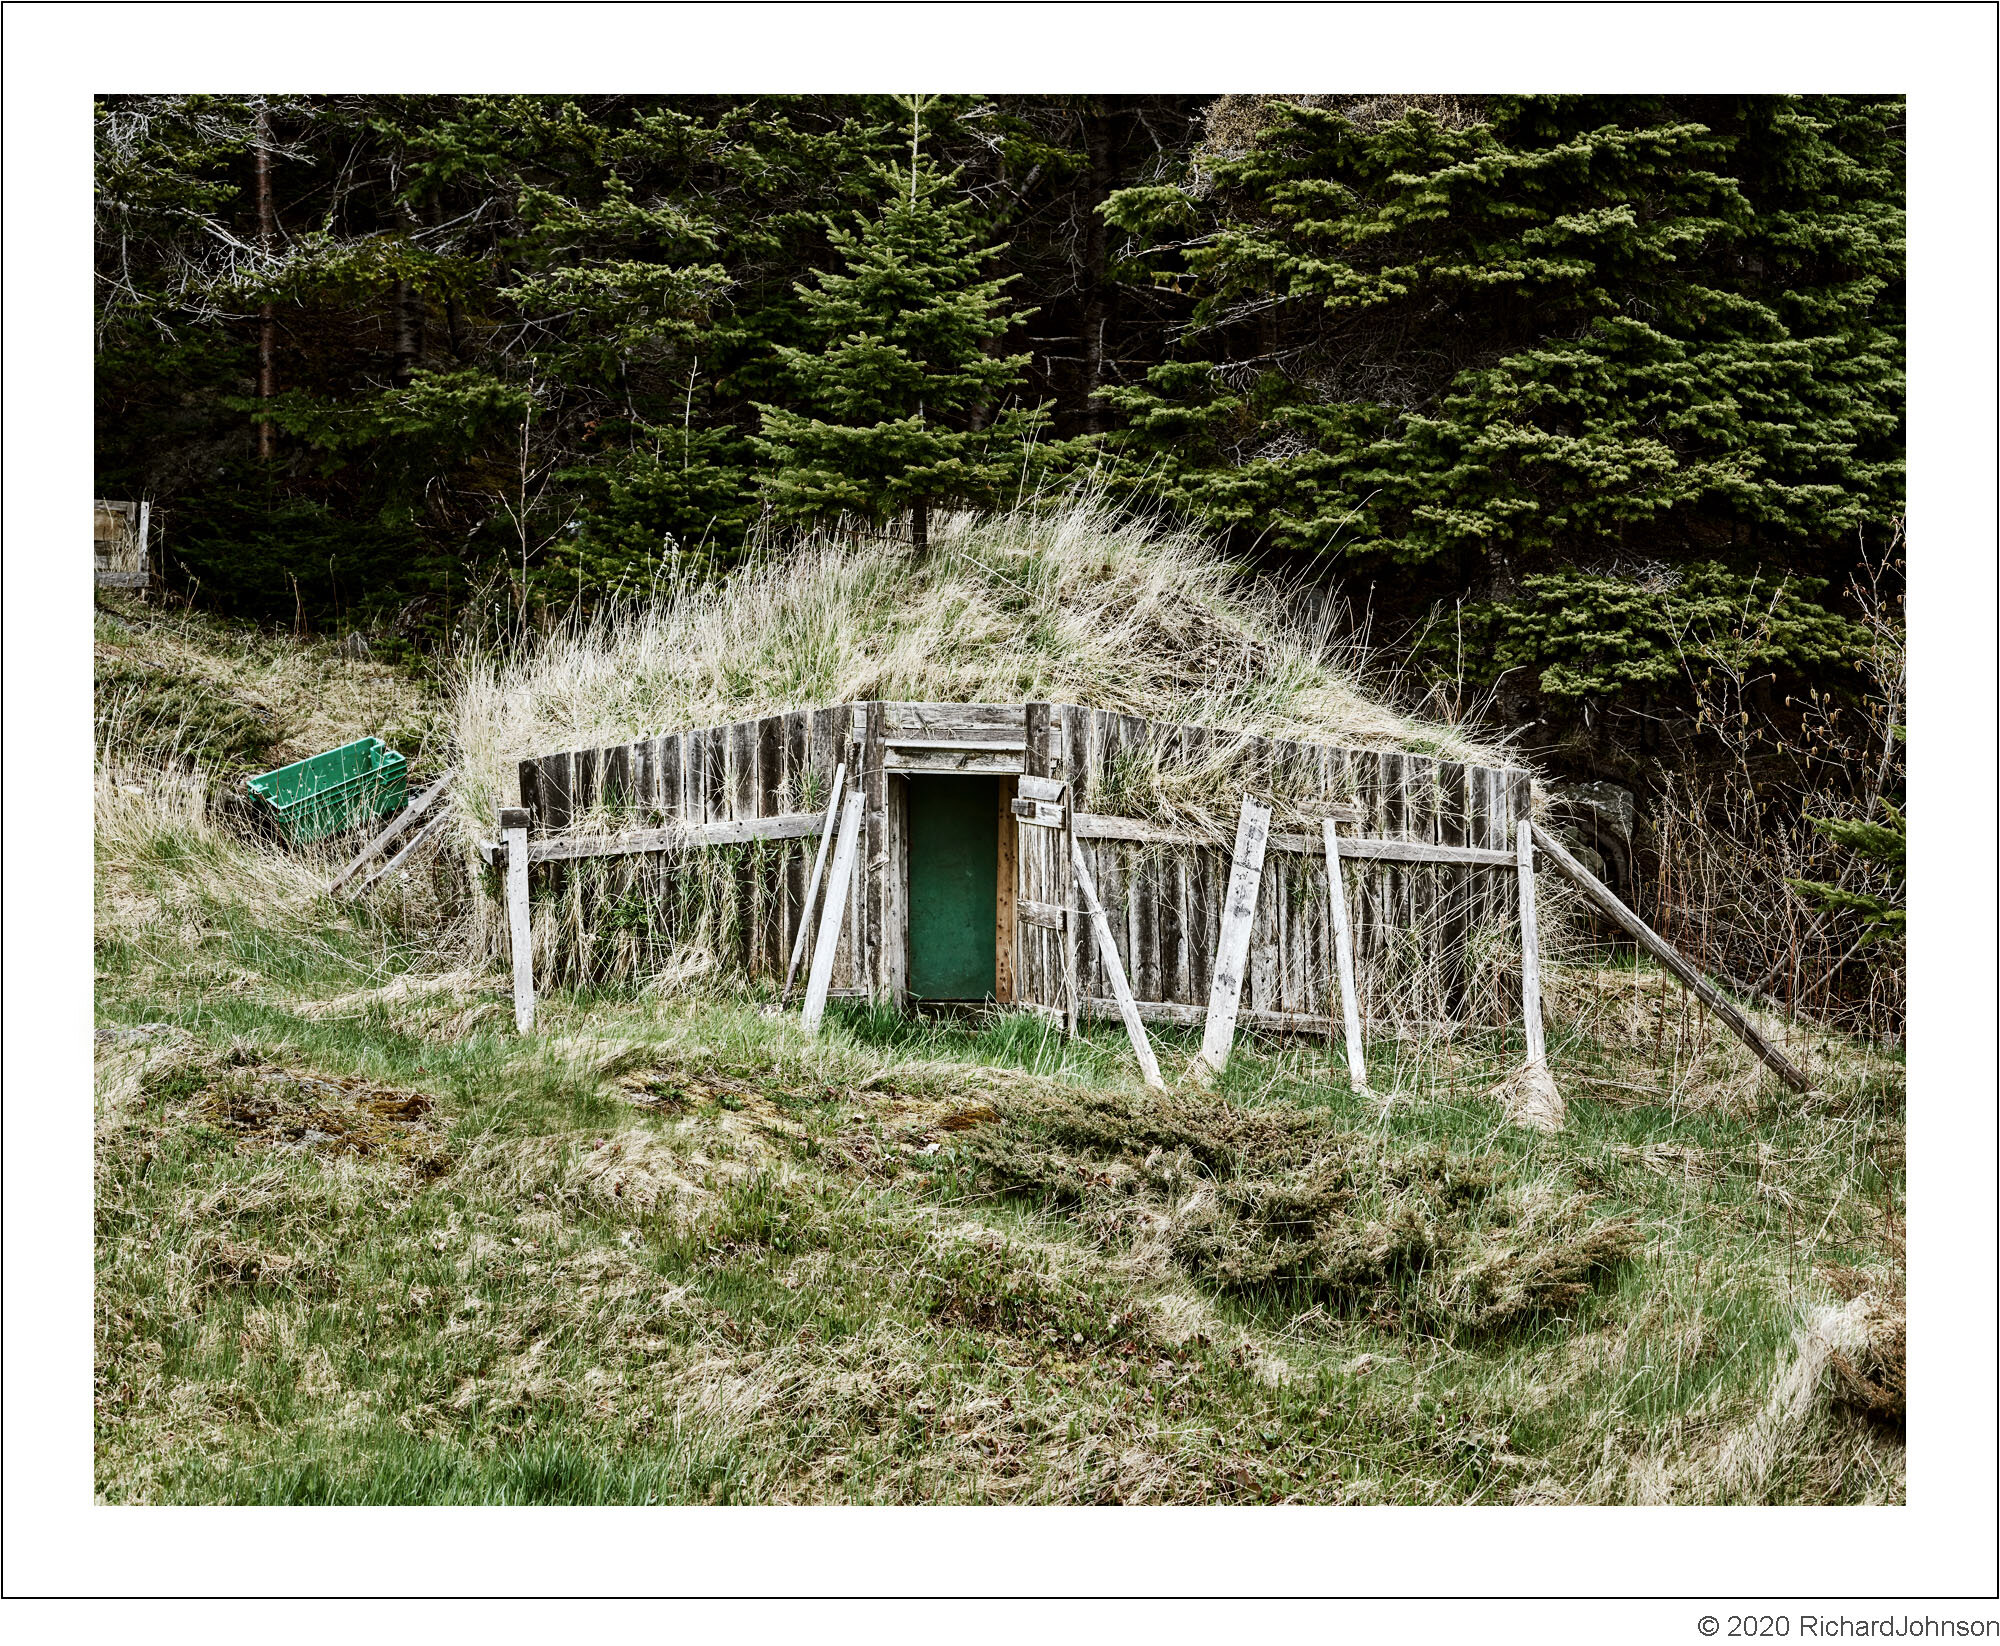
(329, 1114)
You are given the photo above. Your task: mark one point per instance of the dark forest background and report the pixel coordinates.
(1590, 408)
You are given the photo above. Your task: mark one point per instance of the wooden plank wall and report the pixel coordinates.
(1419, 929)
(751, 768)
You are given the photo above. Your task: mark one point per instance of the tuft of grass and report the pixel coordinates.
(184, 687)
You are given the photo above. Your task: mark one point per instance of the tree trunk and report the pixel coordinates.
(920, 528)
(1096, 306)
(1514, 693)
(267, 328)
(409, 332)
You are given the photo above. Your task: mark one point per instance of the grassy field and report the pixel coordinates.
(357, 1241)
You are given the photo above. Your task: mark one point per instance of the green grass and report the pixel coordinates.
(776, 1295)
(668, 1250)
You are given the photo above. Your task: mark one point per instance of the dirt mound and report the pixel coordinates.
(287, 1108)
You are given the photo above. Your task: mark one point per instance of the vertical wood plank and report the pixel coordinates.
(615, 786)
(1343, 949)
(1246, 872)
(1371, 887)
(715, 774)
(1455, 885)
(877, 876)
(773, 945)
(557, 805)
(673, 779)
(646, 781)
(1072, 732)
(796, 767)
(1006, 947)
(583, 781)
(520, 931)
(1482, 906)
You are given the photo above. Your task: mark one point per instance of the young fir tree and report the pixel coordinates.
(901, 398)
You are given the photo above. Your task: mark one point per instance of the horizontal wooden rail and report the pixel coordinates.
(979, 745)
(1048, 916)
(671, 837)
(1088, 825)
(1098, 826)
(1193, 1017)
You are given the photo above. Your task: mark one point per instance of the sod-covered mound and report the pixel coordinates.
(1050, 602)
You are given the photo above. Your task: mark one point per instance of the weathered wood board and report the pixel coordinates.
(1427, 851)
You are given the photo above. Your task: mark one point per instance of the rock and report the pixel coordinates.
(1599, 820)
(355, 646)
(1590, 860)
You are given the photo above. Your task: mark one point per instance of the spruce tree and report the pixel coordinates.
(898, 403)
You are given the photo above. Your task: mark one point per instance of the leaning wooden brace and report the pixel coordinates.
(833, 910)
(1671, 958)
(812, 884)
(1128, 1008)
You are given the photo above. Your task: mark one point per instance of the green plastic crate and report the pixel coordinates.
(314, 798)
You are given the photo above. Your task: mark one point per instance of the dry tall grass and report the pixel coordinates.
(177, 683)
(1061, 602)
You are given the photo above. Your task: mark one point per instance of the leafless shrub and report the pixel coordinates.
(1731, 836)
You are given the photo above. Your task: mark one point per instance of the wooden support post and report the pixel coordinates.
(812, 885)
(520, 935)
(1239, 911)
(1343, 959)
(1670, 957)
(1531, 943)
(1128, 1008)
(408, 815)
(833, 907)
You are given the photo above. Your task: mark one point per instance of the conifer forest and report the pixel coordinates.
(1586, 411)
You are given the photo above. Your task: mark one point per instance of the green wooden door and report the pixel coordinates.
(954, 865)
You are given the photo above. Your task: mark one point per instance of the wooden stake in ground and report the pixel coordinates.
(408, 815)
(812, 885)
(1239, 910)
(520, 936)
(1531, 944)
(1343, 959)
(1670, 957)
(833, 909)
(1530, 1093)
(1128, 1008)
